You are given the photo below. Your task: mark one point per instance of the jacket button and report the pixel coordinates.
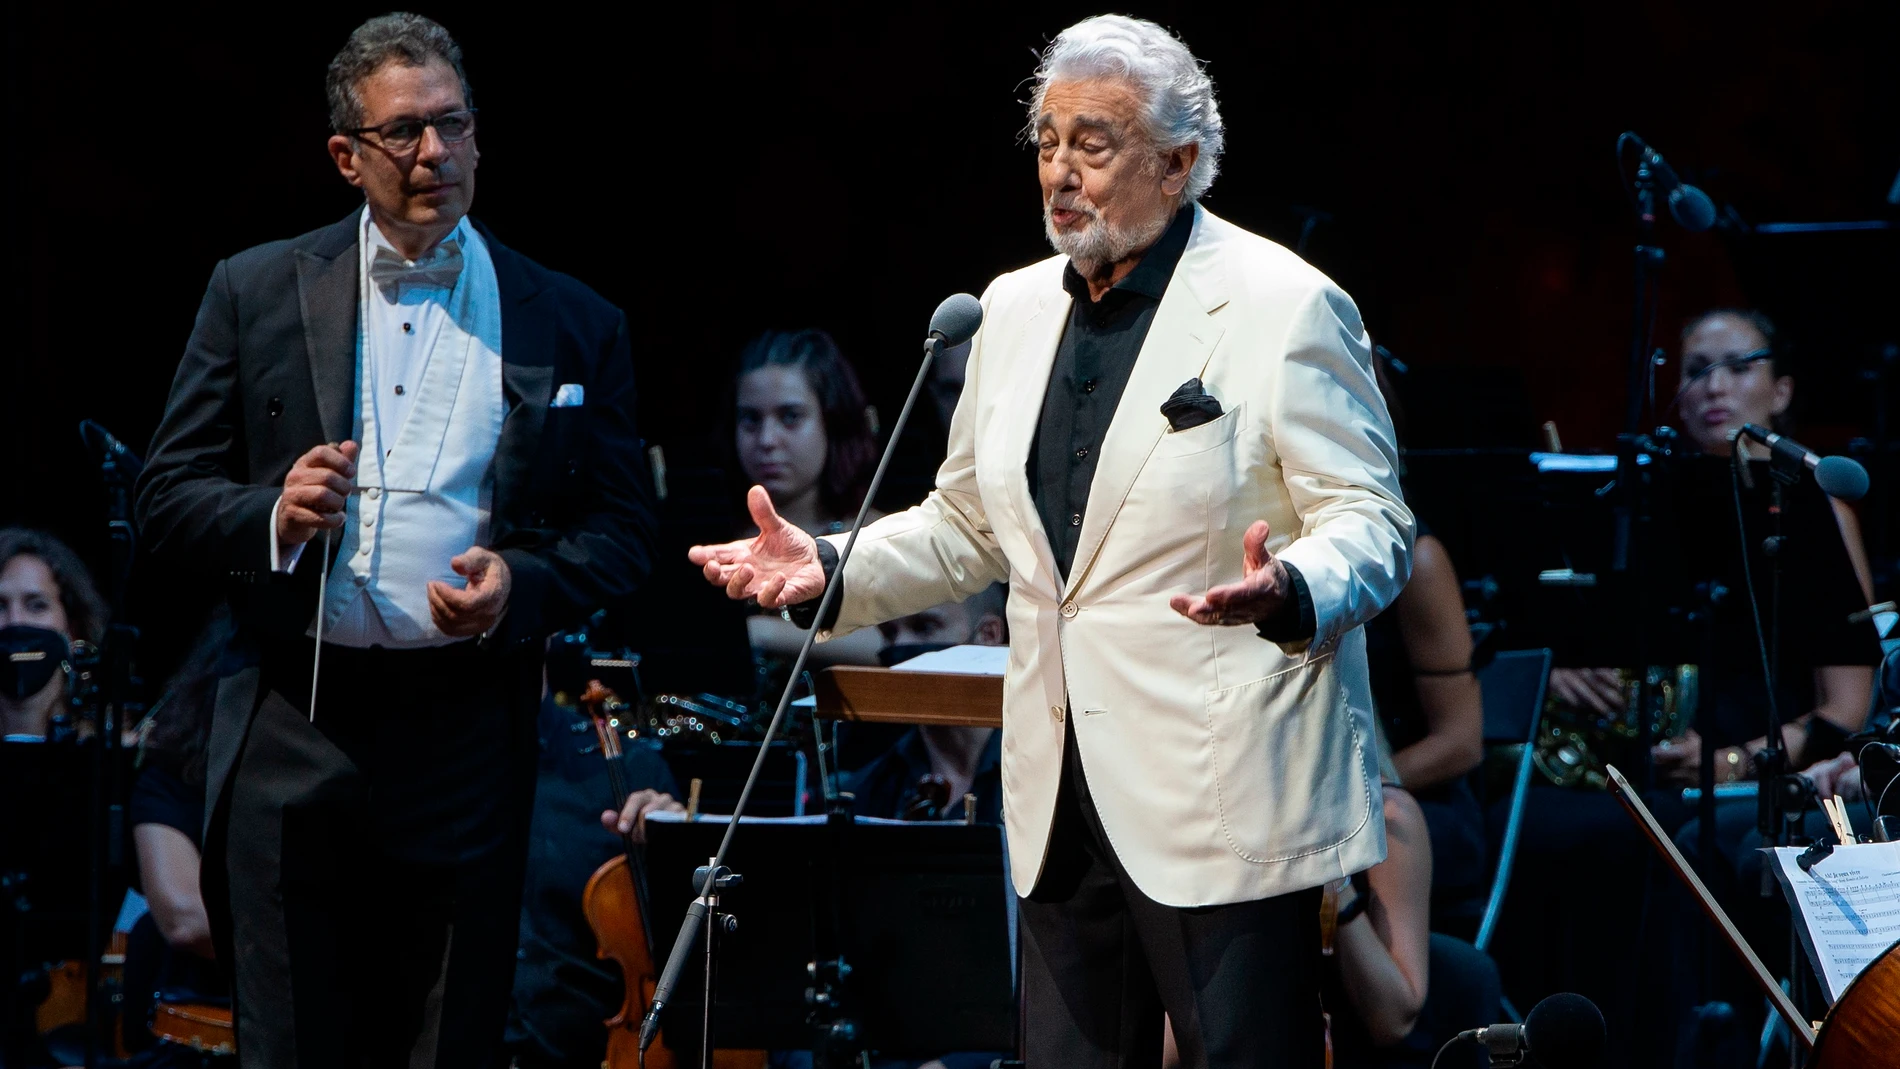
(1056, 711)
(1068, 610)
(274, 407)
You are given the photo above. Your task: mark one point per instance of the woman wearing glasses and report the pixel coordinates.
(1734, 373)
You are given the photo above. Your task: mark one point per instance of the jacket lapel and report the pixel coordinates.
(1028, 382)
(1179, 343)
(327, 289)
(527, 382)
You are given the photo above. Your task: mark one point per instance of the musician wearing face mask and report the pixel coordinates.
(411, 451)
(928, 770)
(47, 601)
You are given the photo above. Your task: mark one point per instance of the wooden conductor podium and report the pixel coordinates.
(891, 696)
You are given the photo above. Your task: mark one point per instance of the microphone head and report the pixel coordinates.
(1842, 478)
(1565, 1031)
(956, 319)
(1692, 208)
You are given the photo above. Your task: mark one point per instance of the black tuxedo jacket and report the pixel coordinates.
(270, 371)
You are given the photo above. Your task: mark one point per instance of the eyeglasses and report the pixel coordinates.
(1734, 365)
(401, 135)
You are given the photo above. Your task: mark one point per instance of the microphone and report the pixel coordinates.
(101, 441)
(954, 322)
(1691, 207)
(1564, 1031)
(1837, 476)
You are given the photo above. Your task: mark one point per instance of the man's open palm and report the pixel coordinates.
(1263, 588)
(780, 567)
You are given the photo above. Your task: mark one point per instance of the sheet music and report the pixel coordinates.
(1849, 904)
(960, 660)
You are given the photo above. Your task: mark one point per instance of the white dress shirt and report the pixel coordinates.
(427, 422)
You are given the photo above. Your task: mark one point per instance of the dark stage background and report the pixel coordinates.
(716, 172)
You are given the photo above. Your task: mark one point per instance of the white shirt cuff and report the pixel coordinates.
(280, 562)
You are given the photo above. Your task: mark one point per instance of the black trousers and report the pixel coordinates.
(1102, 962)
(374, 857)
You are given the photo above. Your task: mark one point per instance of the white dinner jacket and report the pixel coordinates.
(1225, 768)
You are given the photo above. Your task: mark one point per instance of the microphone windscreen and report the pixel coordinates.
(1842, 478)
(1565, 1031)
(1692, 208)
(956, 319)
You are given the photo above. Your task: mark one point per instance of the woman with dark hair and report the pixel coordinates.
(802, 430)
(47, 602)
(1735, 371)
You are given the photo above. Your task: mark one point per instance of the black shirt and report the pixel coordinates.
(1819, 594)
(160, 796)
(1093, 363)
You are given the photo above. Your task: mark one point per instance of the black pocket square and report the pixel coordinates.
(1190, 406)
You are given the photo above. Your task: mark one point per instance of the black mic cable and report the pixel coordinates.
(955, 321)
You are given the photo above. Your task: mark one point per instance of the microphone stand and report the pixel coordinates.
(704, 912)
(110, 691)
(1632, 514)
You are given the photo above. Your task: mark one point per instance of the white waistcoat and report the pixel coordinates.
(428, 486)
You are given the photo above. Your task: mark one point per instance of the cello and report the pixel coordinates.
(616, 906)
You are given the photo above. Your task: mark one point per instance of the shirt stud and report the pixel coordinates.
(399, 389)
(407, 329)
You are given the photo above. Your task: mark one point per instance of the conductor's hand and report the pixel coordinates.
(780, 567)
(477, 607)
(315, 493)
(632, 818)
(1264, 587)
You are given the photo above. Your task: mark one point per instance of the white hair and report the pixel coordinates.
(1179, 96)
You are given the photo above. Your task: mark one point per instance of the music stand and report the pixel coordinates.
(922, 917)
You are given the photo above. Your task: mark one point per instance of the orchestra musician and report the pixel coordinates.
(1171, 446)
(170, 949)
(47, 601)
(437, 433)
(927, 771)
(801, 430)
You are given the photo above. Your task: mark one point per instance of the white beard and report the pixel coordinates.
(1099, 242)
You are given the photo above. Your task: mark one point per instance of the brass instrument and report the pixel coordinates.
(1574, 744)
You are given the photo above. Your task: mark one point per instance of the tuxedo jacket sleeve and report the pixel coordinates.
(199, 508)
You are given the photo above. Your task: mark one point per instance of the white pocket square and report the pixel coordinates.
(570, 395)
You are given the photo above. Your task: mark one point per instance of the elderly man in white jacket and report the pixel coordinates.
(1170, 444)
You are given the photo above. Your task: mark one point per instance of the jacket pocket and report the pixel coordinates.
(1210, 435)
(1289, 771)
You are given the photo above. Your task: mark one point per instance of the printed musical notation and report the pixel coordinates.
(1849, 903)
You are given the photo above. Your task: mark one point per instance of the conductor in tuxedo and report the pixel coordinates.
(1171, 446)
(398, 434)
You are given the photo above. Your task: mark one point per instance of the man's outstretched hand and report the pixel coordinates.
(1259, 594)
(780, 567)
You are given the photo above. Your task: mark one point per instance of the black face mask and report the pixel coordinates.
(28, 658)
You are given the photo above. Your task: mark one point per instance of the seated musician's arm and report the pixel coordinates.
(168, 872)
(1431, 613)
(1383, 951)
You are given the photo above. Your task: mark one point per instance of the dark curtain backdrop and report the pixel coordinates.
(719, 169)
